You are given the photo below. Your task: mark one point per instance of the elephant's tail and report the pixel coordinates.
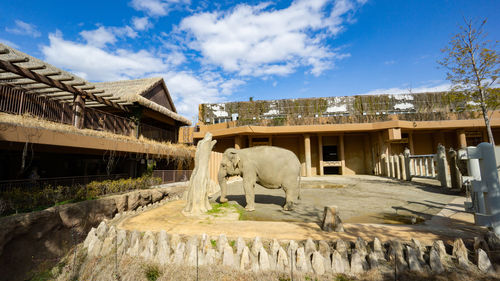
(298, 196)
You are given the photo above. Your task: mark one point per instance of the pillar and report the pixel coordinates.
(410, 143)
(307, 151)
(462, 140)
(342, 154)
(238, 142)
(78, 111)
(320, 154)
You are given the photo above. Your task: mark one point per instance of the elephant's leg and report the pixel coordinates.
(290, 186)
(248, 186)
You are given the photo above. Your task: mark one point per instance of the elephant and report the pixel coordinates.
(270, 166)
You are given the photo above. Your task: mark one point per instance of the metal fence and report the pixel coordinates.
(168, 176)
(27, 184)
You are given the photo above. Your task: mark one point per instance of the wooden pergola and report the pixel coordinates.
(30, 75)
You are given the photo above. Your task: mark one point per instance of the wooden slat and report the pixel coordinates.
(55, 83)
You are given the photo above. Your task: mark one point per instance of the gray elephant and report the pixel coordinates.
(269, 166)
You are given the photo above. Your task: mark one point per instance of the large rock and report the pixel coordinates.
(240, 245)
(331, 220)
(282, 262)
(460, 253)
(110, 244)
(245, 259)
(483, 262)
(396, 254)
(122, 238)
(256, 245)
(360, 247)
(163, 249)
(179, 253)
(358, 263)
(338, 264)
(325, 251)
(264, 264)
(156, 195)
(318, 263)
(221, 243)
(192, 251)
(377, 249)
(121, 203)
(413, 260)
(302, 261)
(435, 261)
(148, 248)
(310, 247)
(228, 256)
(133, 200)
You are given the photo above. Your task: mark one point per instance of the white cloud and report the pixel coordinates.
(157, 7)
(141, 23)
(24, 28)
(9, 43)
(96, 64)
(389, 62)
(426, 88)
(261, 41)
(106, 35)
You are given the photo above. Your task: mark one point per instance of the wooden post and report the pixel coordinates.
(407, 164)
(320, 154)
(342, 154)
(78, 111)
(462, 140)
(307, 151)
(237, 142)
(397, 167)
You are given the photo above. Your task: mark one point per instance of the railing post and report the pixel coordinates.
(420, 167)
(397, 166)
(443, 175)
(391, 158)
(402, 163)
(407, 164)
(433, 168)
(20, 111)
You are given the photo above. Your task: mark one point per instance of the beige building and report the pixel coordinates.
(346, 135)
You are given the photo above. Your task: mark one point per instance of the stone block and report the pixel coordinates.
(331, 220)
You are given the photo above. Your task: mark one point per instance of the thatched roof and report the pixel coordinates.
(117, 94)
(132, 91)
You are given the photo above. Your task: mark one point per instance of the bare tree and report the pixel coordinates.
(472, 62)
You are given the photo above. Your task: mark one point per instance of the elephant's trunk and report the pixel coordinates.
(223, 185)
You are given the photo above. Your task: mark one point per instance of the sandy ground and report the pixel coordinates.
(363, 198)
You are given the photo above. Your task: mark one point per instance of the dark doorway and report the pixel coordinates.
(330, 154)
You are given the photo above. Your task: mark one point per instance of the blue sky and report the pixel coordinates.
(215, 51)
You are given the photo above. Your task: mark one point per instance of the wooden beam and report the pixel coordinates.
(5, 65)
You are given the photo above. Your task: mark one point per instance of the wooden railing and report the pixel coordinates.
(27, 184)
(18, 102)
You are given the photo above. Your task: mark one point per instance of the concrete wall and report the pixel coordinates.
(354, 155)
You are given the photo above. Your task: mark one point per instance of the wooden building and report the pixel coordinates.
(57, 124)
(346, 135)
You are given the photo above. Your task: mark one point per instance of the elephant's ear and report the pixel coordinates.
(235, 159)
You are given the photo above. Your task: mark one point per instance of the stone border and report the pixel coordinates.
(318, 257)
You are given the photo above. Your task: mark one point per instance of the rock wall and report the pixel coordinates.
(311, 257)
(34, 241)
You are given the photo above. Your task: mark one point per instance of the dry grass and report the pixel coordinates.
(104, 268)
(176, 150)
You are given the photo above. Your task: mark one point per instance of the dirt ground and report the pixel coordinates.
(369, 206)
(359, 199)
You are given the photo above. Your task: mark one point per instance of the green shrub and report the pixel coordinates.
(152, 272)
(18, 200)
